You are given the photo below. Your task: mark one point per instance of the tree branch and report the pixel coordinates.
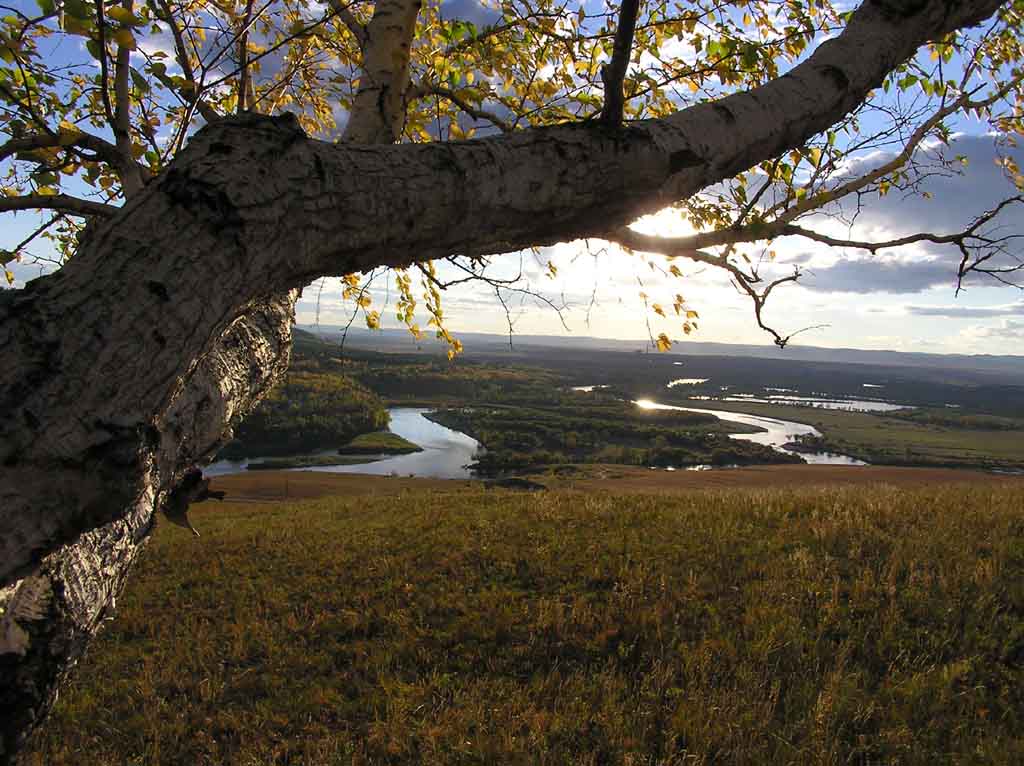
(104, 73)
(351, 22)
(379, 106)
(194, 96)
(964, 102)
(475, 112)
(613, 74)
(243, 59)
(743, 281)
(131, 179)
(957, 238)
(103, 149)
(62, 202)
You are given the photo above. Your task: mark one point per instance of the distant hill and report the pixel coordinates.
(1009, 368)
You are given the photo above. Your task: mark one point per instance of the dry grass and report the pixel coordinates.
(826, 626)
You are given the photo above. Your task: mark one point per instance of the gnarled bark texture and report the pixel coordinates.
(129, 366)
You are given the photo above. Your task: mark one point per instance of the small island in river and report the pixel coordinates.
(365, 448)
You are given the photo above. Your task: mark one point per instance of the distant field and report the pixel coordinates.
(888, 439)
(276, 486)
(454, 625)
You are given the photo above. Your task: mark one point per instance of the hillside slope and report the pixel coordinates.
(464, 626)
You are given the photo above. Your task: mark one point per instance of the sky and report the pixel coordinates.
(897, 300)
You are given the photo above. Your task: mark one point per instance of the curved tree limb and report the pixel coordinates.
(477, 113)
(62, 202)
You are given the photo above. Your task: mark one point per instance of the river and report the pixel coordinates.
(445, 455)
(776, 432)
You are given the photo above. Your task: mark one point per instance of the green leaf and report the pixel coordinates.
(126, 17)
(94, 49)
(907, 81)
(125, 39)
(77, 9)
(140, 81)
(76, 26)
(47, 7)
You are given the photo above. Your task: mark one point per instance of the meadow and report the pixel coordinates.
(437, 625)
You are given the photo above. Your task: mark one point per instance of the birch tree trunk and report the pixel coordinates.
(130, 365)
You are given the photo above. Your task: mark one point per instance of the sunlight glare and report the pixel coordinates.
(667, 222)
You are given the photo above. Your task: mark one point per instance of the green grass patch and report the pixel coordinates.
(379, 442)
(468, 627)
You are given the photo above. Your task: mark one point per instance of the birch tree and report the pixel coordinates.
(192, 164)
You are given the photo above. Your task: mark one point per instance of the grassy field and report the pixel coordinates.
(868, 625)
(882, 438)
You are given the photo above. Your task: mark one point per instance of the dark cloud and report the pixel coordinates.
(881, 275)
(957, 198)
(471, 11)
(958, 312)
(956, 201)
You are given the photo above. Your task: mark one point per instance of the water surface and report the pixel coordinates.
(776, 432)
(687, 382)
(445, 455)
(849, 405)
